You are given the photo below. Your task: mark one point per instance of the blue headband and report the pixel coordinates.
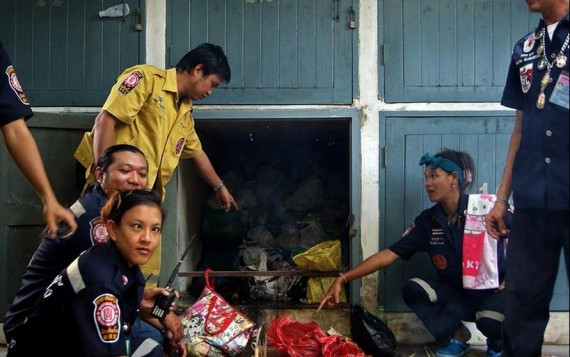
(445, 164)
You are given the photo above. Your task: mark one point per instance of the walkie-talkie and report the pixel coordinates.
(163, 302)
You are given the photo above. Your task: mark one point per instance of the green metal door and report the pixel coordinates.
(448, 50)
(65, 54)
(405, 138)
(280, 51)
(21, 220)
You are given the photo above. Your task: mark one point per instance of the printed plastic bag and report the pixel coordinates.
(480, 256)
(324, 256)
(371, 334)
(295, 339)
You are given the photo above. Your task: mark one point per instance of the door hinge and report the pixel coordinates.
(384, 157)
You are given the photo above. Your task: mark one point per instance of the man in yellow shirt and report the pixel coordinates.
(151, 108)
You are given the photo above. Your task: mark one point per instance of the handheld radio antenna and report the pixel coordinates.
(177, 267)
(163, 303)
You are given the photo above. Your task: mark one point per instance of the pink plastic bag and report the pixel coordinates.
(480, 268)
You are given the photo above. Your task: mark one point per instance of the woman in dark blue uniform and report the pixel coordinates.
(440, 304)
(90, 306)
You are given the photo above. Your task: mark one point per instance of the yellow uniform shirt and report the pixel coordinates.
(145, 101)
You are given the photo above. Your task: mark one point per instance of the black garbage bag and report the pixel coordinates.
(371, 334)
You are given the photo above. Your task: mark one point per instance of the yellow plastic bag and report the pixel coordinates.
(317, 288)
(324, 256)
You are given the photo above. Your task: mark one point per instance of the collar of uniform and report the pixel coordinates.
(170, 83)
(98, 190)
(170, 86)
(132, 274)
(461, 208)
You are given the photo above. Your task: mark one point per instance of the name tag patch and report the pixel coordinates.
(561, 91)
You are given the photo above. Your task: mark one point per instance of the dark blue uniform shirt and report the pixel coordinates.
(431, 233)
(13, 101)
(540, 171)
(54, 255)
(89, 307)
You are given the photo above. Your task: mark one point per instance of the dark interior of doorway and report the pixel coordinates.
(291, 180)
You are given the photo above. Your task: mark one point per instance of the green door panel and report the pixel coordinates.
(405, 138)
(65, 55)
(280, 52)
(21, 220)
(448, 50)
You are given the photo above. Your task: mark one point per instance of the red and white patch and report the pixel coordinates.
(439, 261)
(15, 85)
(529, 43)
(130, 82)
(408, 230)
(107, 315)
(525, 74)
(179, 145)
(125, 279)
(98, 231)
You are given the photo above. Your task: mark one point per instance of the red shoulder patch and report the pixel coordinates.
(98, 231)
(107, 315)
(15, 85)
(130, 82)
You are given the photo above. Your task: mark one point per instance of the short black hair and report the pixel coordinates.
(465, 161)
(210, 56)
(107, 157)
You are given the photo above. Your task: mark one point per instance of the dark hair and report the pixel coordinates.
(120, 202)
(210, 56)
(465, 161)
(107, 157)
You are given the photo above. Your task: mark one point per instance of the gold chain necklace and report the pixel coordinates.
(543, 63)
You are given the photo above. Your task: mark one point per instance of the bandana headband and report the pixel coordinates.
(445, 164)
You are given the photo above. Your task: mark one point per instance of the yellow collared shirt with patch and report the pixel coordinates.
(144, 100)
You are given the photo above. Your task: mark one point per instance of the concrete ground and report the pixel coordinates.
(478, 351)
(418, 351)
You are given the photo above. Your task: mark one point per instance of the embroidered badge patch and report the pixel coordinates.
(525, 73)
(529, 43)
(408, 230)
(130, 82)
(439, 261)
(179, 145)
(98, 231)
(15, 85)
(107, 315)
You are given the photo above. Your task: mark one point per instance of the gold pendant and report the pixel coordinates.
(561, 60)
(545, 80)
(540, 101)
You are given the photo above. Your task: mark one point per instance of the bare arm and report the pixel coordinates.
(103, 133)
(495, 219)
(206, 171)
(22, 146)
(376, 262)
